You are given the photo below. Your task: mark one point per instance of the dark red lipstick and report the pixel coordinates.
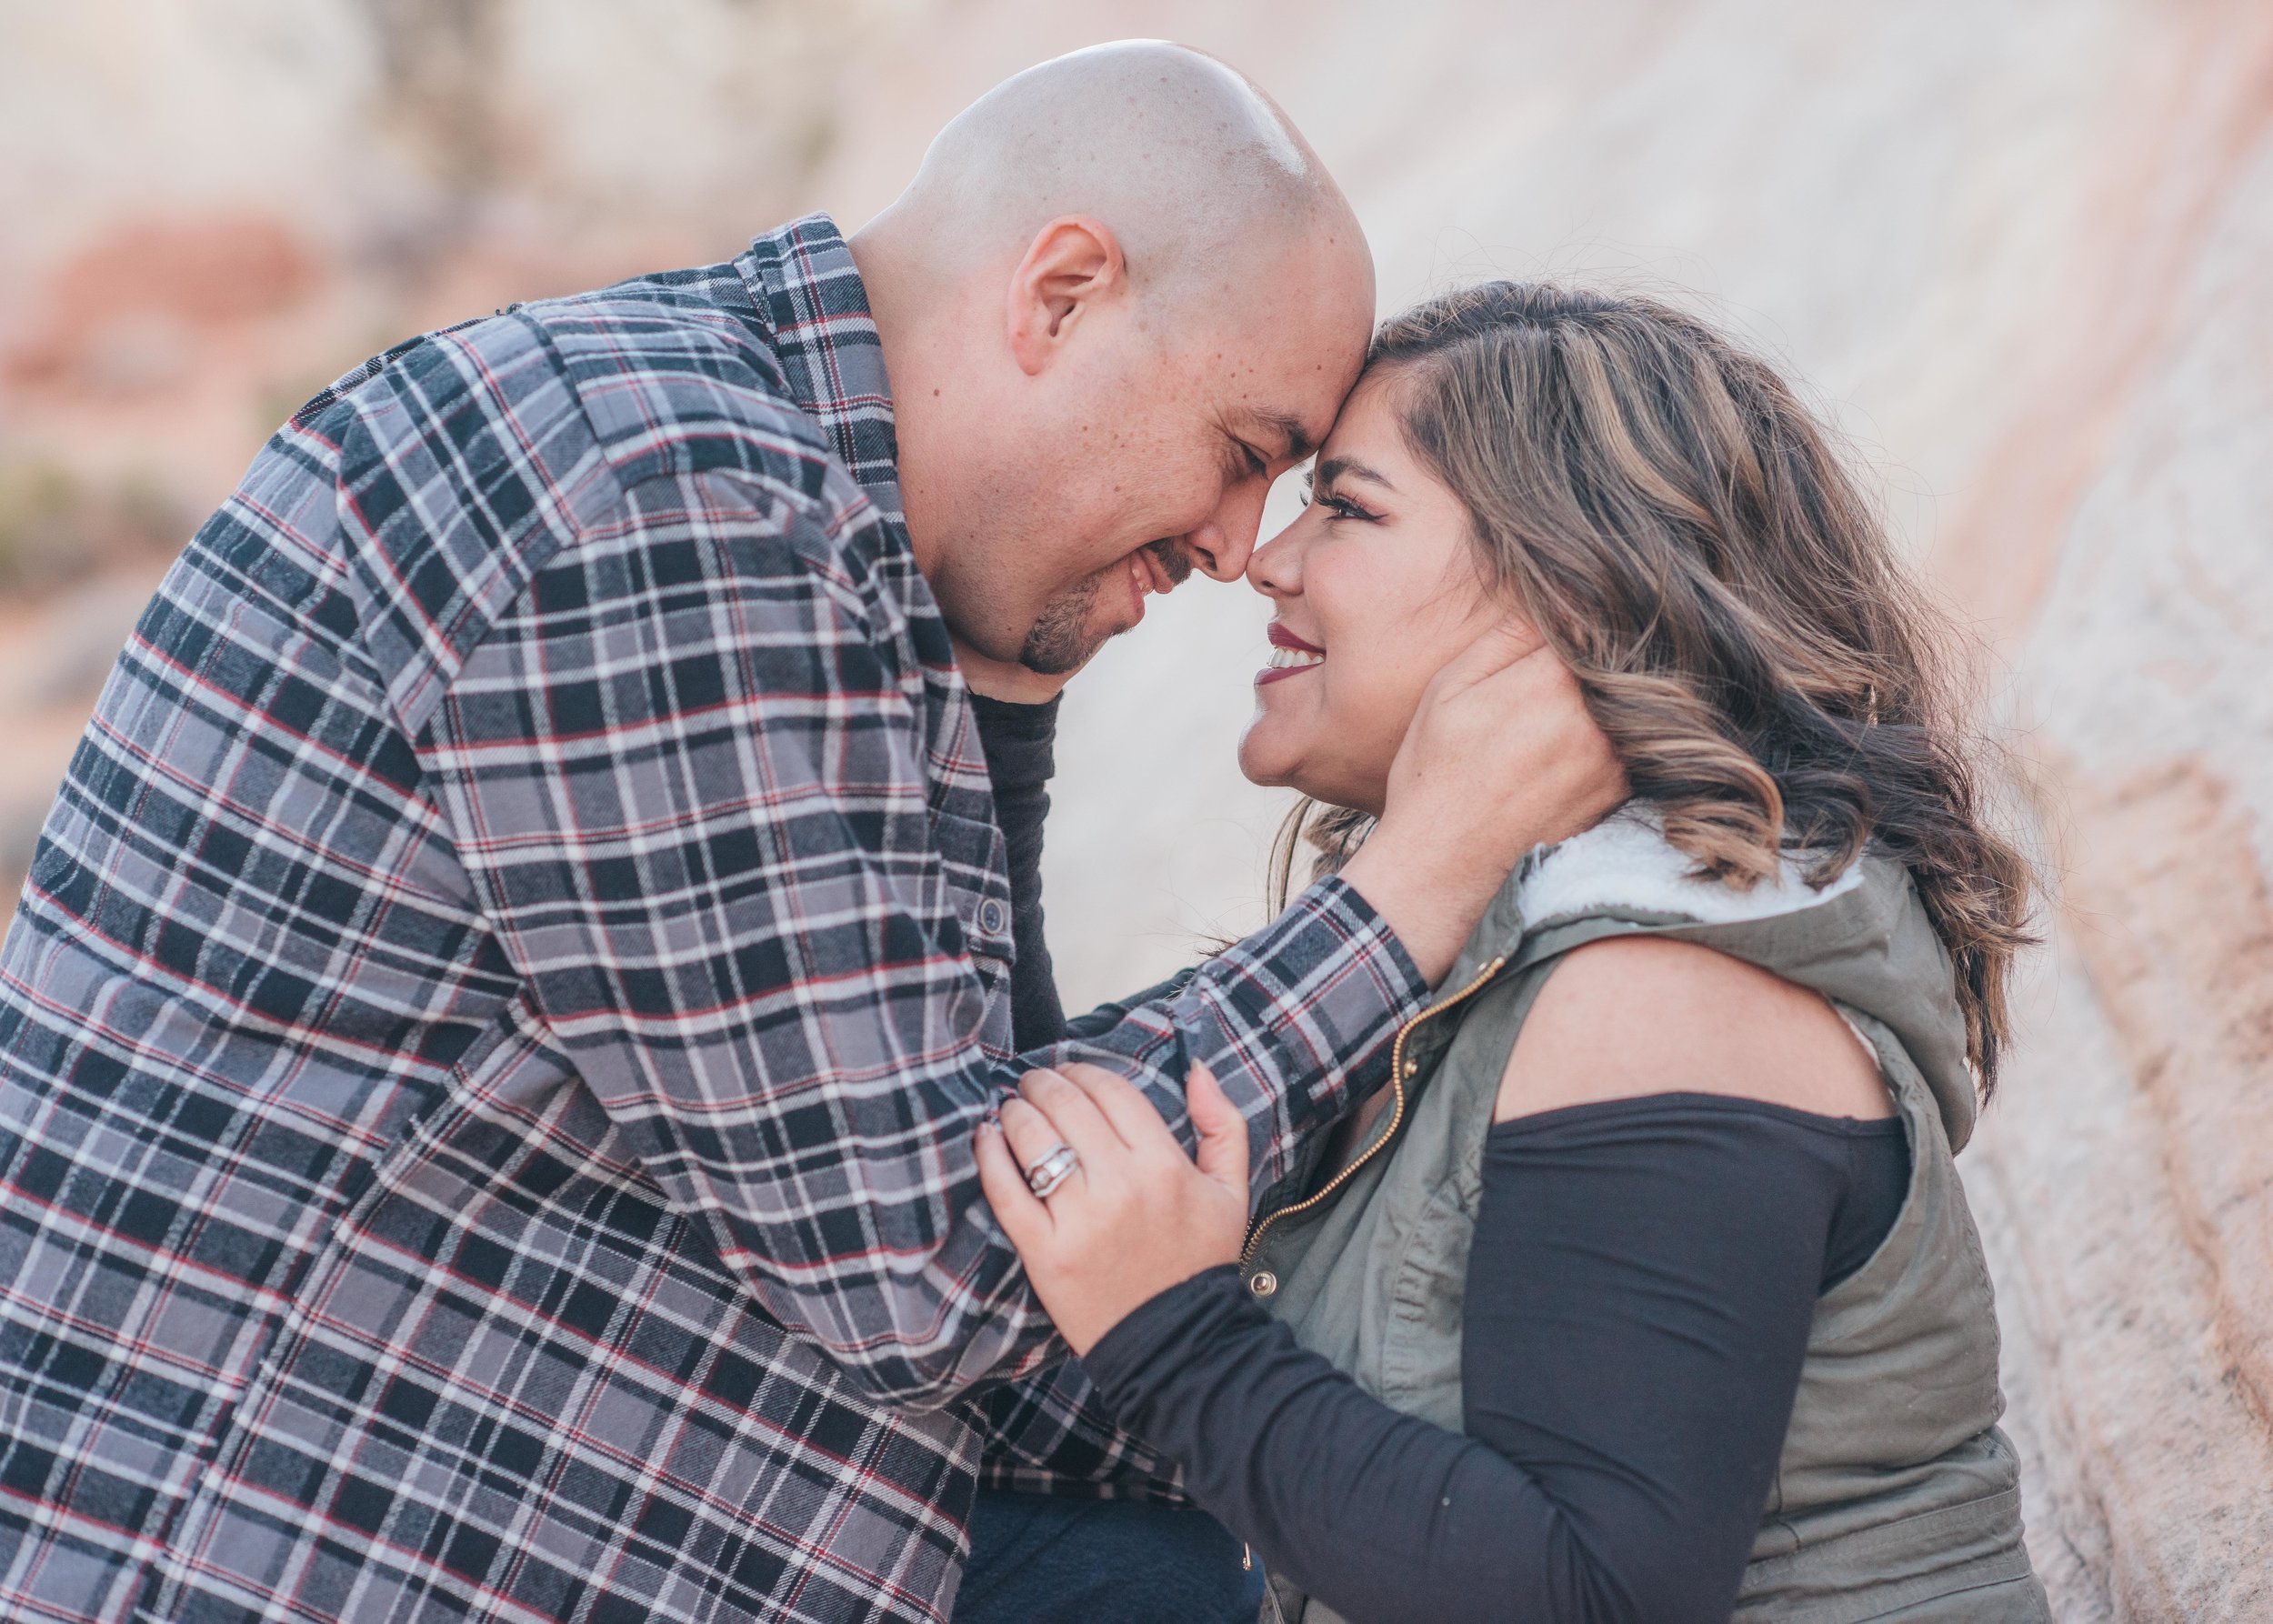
(1283, 665)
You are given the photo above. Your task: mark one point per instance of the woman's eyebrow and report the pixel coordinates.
(1335, 468)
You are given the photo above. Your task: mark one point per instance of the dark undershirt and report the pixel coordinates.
(1018, 739)
(1638, 1300)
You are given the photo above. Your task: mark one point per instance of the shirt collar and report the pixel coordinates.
(804, 282)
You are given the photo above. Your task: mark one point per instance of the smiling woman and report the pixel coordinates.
(1376, 587)
(1640, 1246)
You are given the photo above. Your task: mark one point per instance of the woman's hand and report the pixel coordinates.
(1137, 1215)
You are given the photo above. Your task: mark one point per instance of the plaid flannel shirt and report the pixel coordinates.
(490, 1042)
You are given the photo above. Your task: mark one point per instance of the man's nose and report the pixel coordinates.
(1225, 541)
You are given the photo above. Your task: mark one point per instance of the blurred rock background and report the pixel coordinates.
(2019, 247)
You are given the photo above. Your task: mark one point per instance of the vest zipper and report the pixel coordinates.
(1261, 1226)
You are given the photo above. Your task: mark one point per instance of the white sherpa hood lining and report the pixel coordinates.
(1625, 863)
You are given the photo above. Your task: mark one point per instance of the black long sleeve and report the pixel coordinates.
(1019, 741)
(1640, 1294)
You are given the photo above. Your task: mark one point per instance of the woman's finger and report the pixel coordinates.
(1133, 1115)
(1024, 1217)
(1223, 1132)
(1032, 1135)
(1074, 1116)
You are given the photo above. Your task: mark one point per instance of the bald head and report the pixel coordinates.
(1119, 298)
(1197, 173)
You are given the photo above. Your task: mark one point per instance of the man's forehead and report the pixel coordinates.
(1275, 391)
(1282, 382)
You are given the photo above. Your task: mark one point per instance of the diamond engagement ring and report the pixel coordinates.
(1045, 1175)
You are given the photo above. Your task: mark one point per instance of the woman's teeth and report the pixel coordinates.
(1290, 659)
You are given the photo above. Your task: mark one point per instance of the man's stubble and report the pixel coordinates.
(1062, 638)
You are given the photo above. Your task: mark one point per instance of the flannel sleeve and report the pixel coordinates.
(685, 770)
(1051, 1433)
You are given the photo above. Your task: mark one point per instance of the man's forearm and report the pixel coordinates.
(1296, 1023)
(1431, 906)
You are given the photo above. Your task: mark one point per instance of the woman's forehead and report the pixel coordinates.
(1367, 438)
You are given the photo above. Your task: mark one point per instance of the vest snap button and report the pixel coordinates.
(1263, 1282)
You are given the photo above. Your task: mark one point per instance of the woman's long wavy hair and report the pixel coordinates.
(1678, 526)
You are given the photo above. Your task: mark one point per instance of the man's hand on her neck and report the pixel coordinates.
(1502, 755)
(1005, 680)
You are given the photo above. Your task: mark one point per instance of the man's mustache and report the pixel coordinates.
(1174, 557)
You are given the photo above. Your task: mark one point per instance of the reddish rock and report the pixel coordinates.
(134, 310)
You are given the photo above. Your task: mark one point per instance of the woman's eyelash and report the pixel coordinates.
(1340, 508)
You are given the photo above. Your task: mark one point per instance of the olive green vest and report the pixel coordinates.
(1895, 1495)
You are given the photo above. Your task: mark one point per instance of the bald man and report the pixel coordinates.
(492, 1039)
(1120, 296)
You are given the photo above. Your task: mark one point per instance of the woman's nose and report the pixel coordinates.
(1274, 569)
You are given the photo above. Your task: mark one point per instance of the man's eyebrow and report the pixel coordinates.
(1349, 467)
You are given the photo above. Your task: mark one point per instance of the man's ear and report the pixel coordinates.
(1073, 265)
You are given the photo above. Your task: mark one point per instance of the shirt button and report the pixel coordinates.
(1263, 1283)
(990, 916)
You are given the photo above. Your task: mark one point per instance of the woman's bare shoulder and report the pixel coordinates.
(1649, 1014)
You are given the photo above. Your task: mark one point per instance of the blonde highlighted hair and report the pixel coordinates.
(1679, 528)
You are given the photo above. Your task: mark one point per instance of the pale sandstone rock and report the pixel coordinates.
(2142, 1335)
